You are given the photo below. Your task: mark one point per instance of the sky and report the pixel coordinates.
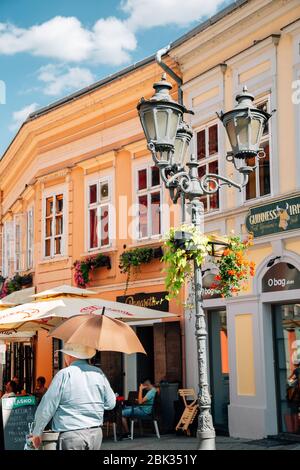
(49, 49)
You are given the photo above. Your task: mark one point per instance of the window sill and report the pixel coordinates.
(54, 260)
(108, 249)
(254, 201)
(146, 242)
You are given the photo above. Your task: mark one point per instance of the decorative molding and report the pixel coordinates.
(98, 161)
(63, 173)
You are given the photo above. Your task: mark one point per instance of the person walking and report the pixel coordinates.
(75, 402)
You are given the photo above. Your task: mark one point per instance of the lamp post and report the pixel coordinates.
(168, 138)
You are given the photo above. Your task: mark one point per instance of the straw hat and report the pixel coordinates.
(78, 350)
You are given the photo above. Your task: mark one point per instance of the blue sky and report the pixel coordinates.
(50, 49)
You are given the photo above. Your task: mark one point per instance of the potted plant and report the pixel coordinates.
(131, 260)
(83, 268)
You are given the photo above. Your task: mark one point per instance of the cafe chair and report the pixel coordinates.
(190, 410)
(153, 416)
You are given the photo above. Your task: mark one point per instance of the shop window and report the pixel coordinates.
(259, 180)
(99, 203)
(54, 225)
(208, 158)
(149, 199)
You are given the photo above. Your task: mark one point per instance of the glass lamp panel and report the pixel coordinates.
(230, 128)
(255, 131)
(201, 146)
(264, 107)
(242, 130)
(149, 125)
(162, 124)
(173, 125)
(213, 140)
(179, 152)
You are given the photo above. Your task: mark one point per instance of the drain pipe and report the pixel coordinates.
(169, 71)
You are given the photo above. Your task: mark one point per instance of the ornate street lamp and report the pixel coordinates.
(168, 138)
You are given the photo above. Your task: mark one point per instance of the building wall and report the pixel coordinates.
(257, 45)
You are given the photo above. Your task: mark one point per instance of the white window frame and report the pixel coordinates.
(148, 191)
(262, 99)
(6, 247)
(90, 181)
(17, 243)
(30, 237)
(47, 193)
(211, 158)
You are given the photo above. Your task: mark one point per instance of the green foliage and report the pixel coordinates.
(131, 260)
(85, 267)
(179, 257)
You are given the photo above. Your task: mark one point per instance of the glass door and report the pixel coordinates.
(219, 368)
(286, 320)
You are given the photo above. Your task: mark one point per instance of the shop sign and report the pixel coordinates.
(281, 277)
(155, 301)
(276, 217)
(207, 291)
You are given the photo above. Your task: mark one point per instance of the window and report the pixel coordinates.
(259, 180)
(54, 225)
(149, 202)
(7, 248)
(208, 158)
(18, 244)
(30, 240)
(99, 197)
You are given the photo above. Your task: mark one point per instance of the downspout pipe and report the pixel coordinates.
(169, 71)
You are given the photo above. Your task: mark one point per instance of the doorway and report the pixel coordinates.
(286, 330)
(219, 368)
(145, 364)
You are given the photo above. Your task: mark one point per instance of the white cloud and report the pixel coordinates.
(109, 40)
(145, 14)
(59, 78)
(19, 116)
(65, 39)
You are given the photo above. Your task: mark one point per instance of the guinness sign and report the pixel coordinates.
(276, 217)
(281, 277)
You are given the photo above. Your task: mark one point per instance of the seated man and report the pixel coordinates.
(144, 407)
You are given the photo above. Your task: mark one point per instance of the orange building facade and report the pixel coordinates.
(77, 181)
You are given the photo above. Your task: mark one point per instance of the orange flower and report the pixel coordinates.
(231, 272)
(252, 264)
(226, 252)
(218, 277)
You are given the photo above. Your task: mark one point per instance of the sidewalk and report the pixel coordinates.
(172, 442)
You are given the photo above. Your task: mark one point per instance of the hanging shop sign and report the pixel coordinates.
(155, 301)
(276, 217)
(281, 277)
(207, 291)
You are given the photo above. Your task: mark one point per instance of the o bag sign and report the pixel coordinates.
(281, 277)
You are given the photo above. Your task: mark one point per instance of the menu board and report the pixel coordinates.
(17, 414)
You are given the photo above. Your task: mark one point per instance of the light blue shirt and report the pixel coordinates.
(76, 399)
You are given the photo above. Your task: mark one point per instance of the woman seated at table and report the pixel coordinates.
(144, 407)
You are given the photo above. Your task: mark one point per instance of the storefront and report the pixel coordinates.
(17, 359)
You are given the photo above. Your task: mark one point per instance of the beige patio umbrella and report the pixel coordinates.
(52, 306)
(99, 332)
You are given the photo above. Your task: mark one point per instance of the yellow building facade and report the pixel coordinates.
(74, 179)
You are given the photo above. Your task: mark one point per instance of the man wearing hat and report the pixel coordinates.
(75, 402)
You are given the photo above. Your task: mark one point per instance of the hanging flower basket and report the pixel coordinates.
(185, 245)
(83, 268)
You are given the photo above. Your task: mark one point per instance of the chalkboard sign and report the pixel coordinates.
(17, 414)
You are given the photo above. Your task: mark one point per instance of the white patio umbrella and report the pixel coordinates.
(52, 307)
